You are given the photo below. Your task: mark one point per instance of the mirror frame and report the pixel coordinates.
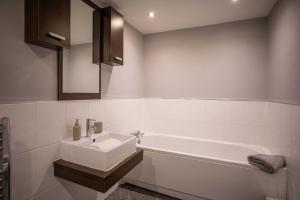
(96, 56)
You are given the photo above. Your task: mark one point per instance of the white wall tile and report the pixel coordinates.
(95, 110)
(170, 116)
(32, 171)
(277, 116)
(295, 126)
(244, 112)
(122, 115)
(66, 190)
(294, 155)
(204, 118)
(207, 130)
(22, 126)
(262, 136)
(57, 192)
(51, 123)
(213, 110)
(278, 123)
(22, 176)
(240, 133)
(44, 171)
(76, 110)
(77, 192)
(100, 111)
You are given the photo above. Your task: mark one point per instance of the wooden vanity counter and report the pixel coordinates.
(96, 179)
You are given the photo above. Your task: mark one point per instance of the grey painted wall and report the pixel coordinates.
(28, 72)
(284, 28)
(79, 73)
(126, 81)
(220, 61)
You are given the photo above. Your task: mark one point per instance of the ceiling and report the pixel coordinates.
(180, 14)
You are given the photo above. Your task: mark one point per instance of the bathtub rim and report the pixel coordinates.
(258, 148)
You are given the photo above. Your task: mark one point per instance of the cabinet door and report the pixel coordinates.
(117, 27)
(96, 36)
(47, 23)
(54, 22)
(112, 44)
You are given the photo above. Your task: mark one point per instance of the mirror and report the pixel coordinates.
(80, 76)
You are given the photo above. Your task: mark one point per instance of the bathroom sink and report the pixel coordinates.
(100, 151)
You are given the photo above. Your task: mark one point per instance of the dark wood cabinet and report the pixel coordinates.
(98, 180)
(47, 23)
(96, 36)
(112, 37)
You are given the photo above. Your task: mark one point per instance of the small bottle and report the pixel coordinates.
(76, 131)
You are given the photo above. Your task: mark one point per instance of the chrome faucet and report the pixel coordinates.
(138, 135)
(89, 127)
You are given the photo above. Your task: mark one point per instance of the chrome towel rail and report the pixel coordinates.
(4, 160)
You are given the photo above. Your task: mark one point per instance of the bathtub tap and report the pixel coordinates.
(138, 135)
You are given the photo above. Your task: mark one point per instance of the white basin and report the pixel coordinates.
(113, 149)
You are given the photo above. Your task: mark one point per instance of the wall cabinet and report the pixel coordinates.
(47, 23)
(112, 37)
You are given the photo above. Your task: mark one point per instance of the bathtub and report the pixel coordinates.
(194, 169)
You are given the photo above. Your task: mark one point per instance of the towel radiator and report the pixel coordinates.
(4, 160)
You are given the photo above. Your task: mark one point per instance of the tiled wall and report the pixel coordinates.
(252, 122)
(221, 120)
(37, 128)
(274, 125)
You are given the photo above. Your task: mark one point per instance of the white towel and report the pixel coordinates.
(106, 145)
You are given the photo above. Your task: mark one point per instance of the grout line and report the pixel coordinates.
(35, 149)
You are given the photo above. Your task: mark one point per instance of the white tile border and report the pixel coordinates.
(21, 101)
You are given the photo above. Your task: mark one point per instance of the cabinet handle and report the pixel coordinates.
(118, 58)
(56, 36)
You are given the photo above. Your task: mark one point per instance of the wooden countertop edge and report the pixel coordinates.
(93, 178)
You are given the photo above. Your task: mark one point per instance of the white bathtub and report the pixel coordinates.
(191, 168)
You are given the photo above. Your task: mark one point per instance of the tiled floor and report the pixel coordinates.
(132, 192)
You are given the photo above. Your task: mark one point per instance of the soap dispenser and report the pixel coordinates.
(76, 130)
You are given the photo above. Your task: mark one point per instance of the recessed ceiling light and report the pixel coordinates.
(151, 14)
(234, 1)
